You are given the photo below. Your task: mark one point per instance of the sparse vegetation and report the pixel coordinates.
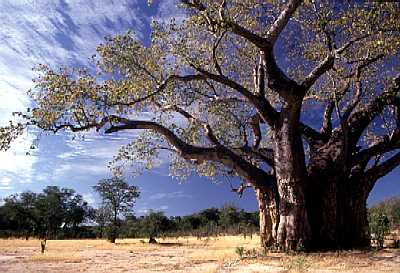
(297, 263)
(380, 227)
(384, 220)
(186, 254)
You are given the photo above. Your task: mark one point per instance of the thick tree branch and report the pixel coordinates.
(385, 144)
(282, 20)
(278, 81)
(219, 153)
(255, 125)
(264, 154)
(326, 128)
(190, 152)
(376, 172)
(318, 71)
(310, 134)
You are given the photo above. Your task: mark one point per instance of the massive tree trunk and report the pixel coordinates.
(293, 230)
(352, 223)
(338, 214)
(336, 204)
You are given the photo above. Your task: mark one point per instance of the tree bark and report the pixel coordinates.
(352, 223)
(336, 204)
(293, 229)
(269, 217)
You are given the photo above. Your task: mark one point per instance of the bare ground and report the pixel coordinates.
(180, 255)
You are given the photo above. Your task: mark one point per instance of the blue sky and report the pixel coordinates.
(67, 32)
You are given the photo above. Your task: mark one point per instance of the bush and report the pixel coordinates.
(112, 233)
(240, 251)
(379, 225)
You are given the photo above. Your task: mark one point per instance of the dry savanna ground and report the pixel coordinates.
(181, 255)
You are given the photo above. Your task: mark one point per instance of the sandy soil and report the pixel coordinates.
(183, 255)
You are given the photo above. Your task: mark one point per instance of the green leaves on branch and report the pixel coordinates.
(8, 134)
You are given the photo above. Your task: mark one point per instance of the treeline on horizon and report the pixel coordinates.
(61, 213)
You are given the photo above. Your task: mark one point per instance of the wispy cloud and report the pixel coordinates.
(143, 211)
(169, 195)
(54, 32)
(5, 183)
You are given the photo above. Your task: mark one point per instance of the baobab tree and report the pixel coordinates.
(298, 99)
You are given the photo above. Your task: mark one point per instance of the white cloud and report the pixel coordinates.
(52, 32)
(143, 211)
(169, 195)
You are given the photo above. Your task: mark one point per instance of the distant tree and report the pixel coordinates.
(155, 223)
(45, 214)
(21, 211)
(210, 215)
(77, 211)
(379, 227)
(229, 216)
(102, 216)
(52, 209)
(120, 197)
(389, 207)
(191, 222)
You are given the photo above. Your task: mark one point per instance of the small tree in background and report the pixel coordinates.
(102, 216)
(389, 207)
(120, 197)
(155, 224)
(379, 226)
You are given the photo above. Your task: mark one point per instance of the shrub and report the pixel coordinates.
(379, 225)
(240, 251)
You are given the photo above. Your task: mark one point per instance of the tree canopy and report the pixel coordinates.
(53, 213)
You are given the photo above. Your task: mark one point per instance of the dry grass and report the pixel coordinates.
(56, 258)
(186, 254)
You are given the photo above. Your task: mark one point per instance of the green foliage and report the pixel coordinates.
(61, 213)
(156, 223)
(54, 213)
(379, 227)
(205, 223)
(383, 217)
(118, 198)
(8, 134)
(117, 194)
(239, 251)
(391, 208)
(247, 253)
